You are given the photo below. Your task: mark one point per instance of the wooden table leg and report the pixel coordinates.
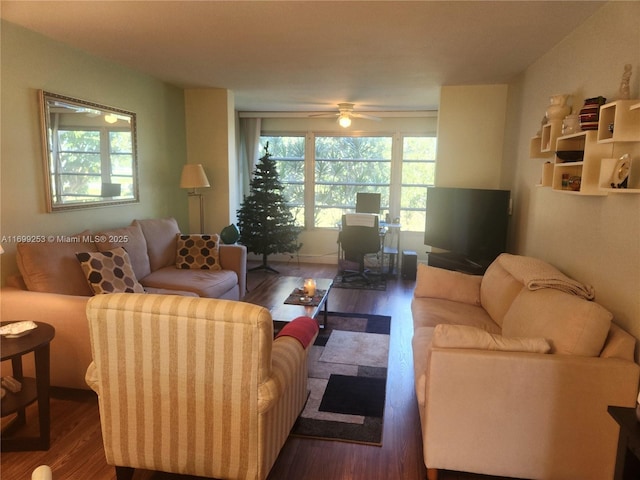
(42, 385)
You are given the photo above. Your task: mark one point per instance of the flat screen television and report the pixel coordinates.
(471, 223)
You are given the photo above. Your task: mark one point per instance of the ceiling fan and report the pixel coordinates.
(345, 114)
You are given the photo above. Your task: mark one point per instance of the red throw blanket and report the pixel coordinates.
(303, 329)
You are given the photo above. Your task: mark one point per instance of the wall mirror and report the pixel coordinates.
(89, 153)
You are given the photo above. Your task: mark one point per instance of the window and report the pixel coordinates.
(418, 172)
(288, 153)
(399, 167)
(345, 166)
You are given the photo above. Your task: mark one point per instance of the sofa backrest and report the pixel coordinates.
(133, 241)
(52, 266)
(162, 240)
(497, 291)
(619, 344)
(573, 325)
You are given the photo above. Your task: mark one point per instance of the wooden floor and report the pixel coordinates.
(76, 446)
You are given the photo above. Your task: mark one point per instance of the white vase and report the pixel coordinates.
(558, 108)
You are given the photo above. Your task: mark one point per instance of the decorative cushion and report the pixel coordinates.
(198, 252)
(435, 282)
(132, 240)
(572, 325)
(52, 267)
(109, 272)
(463, 336)
(160, 234)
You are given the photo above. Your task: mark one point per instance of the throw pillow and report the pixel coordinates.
(463, 336)
(198, 252)
(109, 272)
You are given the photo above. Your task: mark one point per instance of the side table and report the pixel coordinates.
(629, 439)
(33, 389)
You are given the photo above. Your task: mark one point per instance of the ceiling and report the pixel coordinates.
(311, 55)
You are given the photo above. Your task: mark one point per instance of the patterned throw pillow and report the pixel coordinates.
(109, 271)
(198, 252)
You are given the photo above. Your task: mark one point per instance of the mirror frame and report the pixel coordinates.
(47, 99)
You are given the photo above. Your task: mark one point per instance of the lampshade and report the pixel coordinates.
(193, 176)
(1, 250)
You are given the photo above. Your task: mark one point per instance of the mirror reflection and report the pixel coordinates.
(90, 153)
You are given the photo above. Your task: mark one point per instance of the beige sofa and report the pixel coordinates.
(53, 287)
(514, 371)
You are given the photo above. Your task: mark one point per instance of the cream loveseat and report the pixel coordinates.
(514, 371)
(203, 385)
(53, 287)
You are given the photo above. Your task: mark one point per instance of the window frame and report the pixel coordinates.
(397, 164)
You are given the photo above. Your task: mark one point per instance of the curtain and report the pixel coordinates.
(249, 139)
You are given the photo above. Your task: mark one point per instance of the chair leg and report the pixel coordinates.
(124, 473)
(432, 474)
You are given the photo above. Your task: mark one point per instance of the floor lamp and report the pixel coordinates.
(193, 177)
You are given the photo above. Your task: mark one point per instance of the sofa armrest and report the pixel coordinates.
(234, 257)
(524, 415)
(288, 371)
(70, 348)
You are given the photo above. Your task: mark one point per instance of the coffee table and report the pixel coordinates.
(273, 292)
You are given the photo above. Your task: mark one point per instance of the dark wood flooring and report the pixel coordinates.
(76, 451)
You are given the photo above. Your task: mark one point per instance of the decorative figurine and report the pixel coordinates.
(624, 83)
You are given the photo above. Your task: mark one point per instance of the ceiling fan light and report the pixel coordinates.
(344, 120)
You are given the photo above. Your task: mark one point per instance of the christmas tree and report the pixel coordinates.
(266, 224)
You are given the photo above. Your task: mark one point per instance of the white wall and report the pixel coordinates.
(31, 62)
(593, 239)
(471, 122)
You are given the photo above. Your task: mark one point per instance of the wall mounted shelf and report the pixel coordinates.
(607, 169)
(624, 120)
(618, 133)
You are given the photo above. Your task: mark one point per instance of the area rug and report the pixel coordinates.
(347, 380)
(377, 282)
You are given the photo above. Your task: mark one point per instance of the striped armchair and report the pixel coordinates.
(193, 386)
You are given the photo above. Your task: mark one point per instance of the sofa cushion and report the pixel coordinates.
(198, 252)
(52, 266)
(109, 272)
(572, 325)
(498, 290)
(429, 312)
(133, 241)
(160, 234)
(206, 283)
(440, 283)
(463, 336)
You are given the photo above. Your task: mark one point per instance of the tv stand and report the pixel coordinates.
(457, 262)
